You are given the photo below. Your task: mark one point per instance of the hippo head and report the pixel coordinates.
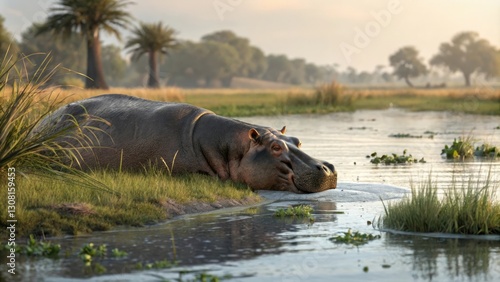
(275, 161)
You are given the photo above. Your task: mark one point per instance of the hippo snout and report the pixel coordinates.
(329, 179)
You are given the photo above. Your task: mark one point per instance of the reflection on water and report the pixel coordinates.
(434, 259)
(255, 246)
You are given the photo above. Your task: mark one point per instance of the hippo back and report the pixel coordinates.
(127, 131)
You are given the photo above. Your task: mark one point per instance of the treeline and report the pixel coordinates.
(217, 58)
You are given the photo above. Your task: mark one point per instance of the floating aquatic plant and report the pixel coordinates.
(354, 238)
(463, 148)
(294, 211)
(394, 159)
(37, 248)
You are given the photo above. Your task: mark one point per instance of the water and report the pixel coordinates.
(345, 139)
(250, 244)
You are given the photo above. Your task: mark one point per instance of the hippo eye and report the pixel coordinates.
(276, 148)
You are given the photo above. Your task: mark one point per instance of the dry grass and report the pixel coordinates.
(479, 92)
(180, 95)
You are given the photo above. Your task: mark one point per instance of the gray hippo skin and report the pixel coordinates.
(140, 132)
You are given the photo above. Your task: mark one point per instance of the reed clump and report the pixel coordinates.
(468, 206)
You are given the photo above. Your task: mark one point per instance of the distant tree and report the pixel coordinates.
(298, 71)
(387, 77)
(365, 77)
(312, 73)
(218, 62)
(258, 63)
(207, 62)
(6, 39)
(88, 17)
(278, 68)
(182, 67)
(352, 75)
(252, 59)
(468, 54)
(406, 64)
(114, 64)
(154, 40)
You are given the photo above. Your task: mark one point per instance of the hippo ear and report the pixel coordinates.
(253, 134)
(283, 130)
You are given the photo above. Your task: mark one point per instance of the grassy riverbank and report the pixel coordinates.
(52, 207)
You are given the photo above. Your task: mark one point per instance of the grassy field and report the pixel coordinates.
(248, 102)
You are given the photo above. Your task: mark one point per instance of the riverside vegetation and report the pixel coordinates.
(467, 207)
(53, 202)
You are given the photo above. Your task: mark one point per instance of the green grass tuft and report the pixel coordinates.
(302, 211)
(467, 207)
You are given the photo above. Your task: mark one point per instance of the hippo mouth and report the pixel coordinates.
(297, 188)
(327, 182)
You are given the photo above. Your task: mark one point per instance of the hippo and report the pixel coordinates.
(130, 133)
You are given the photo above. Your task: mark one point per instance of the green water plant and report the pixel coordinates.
(300, 211)
(487, 150)
(404, 135)
(89, 251)
(37, 248)
(117, 253)
(394, 159)
(354, 238)
(463, 148)
(467, 207)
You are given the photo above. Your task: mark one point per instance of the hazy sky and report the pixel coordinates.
(358, 33)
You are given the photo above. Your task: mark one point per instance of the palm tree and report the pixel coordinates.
(88, 17)
(153, 39)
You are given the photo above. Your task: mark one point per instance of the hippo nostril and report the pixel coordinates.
(330, 166)
(324, 168)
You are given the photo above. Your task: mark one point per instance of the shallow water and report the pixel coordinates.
(250, 244)
(345, 139)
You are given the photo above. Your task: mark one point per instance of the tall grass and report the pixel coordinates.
(468, 206)
(332, 94)
(326, 95)
(25, 145)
